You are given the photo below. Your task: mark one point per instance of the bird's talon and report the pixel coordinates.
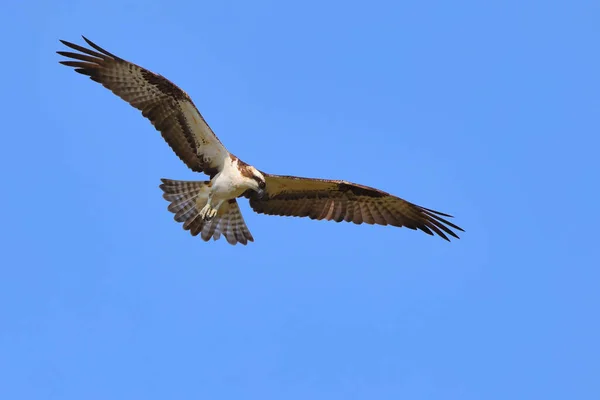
(205, 212)
(210, 215)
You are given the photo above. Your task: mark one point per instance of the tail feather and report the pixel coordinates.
(187, 199)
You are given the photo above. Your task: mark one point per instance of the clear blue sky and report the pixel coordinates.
(487, 112)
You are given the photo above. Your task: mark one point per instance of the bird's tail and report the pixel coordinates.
(187, 198)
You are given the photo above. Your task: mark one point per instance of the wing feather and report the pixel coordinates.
(167, 106)
(344, 201)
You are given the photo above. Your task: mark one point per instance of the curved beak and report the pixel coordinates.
(260, 193)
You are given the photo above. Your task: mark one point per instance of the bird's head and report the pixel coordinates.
(256, 181)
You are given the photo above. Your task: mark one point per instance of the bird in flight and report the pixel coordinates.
(210, 208)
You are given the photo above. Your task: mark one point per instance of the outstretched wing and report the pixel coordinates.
(169, 108)
(344, 201)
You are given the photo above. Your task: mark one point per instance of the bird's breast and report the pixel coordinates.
(228, 186)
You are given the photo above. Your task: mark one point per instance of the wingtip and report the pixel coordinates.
(66, 42)
(455, 235)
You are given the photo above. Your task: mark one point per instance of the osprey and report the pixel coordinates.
(210, 208)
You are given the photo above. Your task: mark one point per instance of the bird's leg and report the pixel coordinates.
(207, 207)
(213, 211)
(208, 212)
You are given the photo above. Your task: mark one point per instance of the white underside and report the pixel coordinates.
(229, 183)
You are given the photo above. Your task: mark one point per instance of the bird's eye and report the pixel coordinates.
(261, 184)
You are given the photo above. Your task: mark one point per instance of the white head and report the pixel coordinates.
(254, 178)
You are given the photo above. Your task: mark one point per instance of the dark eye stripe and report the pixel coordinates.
(261, 183)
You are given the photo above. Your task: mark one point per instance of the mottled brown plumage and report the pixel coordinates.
(338, 201)
(173, 113)
(159, 100)
(187, 198)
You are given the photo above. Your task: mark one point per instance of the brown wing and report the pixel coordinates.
(344, 201)
(169, 108)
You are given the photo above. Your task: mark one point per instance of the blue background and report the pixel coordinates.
(485, 111)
